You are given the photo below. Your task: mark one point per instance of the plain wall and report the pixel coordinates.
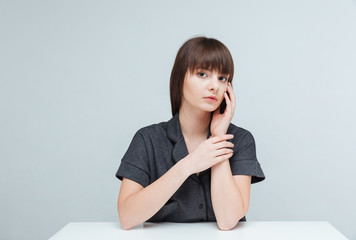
(79, 78)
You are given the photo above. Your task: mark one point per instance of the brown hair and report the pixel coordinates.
(198, 52)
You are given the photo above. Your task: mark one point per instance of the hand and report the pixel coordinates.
(210, 152)
(220, 122)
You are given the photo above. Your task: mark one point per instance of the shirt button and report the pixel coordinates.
(201, 206)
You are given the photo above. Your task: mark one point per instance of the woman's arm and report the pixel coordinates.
(229, 194)
(137, 204)
(230, 202)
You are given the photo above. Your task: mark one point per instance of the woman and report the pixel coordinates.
(198, 166)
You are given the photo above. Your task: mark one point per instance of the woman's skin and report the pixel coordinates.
(230, 194)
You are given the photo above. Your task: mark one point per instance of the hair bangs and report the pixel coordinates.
(211, 56)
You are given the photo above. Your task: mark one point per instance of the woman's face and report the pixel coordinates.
(204, 89)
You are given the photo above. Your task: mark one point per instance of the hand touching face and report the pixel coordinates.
(220, 122)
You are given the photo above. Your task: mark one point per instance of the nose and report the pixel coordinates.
(214, 83)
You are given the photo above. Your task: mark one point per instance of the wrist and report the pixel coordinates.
(217, 134)
(185, 166)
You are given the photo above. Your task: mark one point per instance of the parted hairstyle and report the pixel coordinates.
(198, 52)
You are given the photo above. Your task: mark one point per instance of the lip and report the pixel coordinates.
(211, 98)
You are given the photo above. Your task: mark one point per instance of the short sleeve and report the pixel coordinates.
(134, 163)
(244, 160)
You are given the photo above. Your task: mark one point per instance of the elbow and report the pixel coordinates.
(124, 220)
(229, 224)
(125, 224)
(127, 221)
(227, 227)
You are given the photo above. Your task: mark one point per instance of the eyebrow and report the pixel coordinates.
(207, 70)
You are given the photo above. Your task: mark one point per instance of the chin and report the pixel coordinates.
(207, 108)
(211, 109)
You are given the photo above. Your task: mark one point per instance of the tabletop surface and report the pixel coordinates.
(202, 230)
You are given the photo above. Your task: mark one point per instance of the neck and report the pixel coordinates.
(194, 124)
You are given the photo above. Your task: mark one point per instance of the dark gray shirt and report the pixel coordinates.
(156, 148)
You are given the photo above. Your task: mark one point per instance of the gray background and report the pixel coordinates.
(79, 78)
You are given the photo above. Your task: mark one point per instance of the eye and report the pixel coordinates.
(201, 74)
(223, 79)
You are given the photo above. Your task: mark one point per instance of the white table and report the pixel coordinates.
(203, 230)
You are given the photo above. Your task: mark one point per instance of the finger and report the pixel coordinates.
(222, 152)
(224, 144)
(222, 158)
(220, 138)
(232, 96)
(228, 102)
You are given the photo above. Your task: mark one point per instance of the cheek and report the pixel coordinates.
(192, 91)
(188, 92)
(222, 95)
(223, 92)
(222, 99)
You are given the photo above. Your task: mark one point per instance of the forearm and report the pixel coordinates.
(142, 205)
(226, 197)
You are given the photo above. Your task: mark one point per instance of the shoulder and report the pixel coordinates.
(239, 132)
(153, 130)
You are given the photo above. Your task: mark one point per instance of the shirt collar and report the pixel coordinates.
(173, 128)
(174, 131)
